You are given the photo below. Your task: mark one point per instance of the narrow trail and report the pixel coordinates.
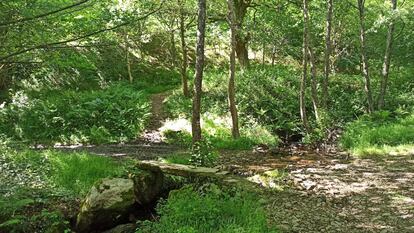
(149, 145)
(158, 116)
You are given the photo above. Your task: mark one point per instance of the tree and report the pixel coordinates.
(305, 67)
(198, 80)
(242, 39)
(184, 62)
(328, 45)
(364, 59)
(128, 62)
(231, 88)
(387, 59)
(314, 81)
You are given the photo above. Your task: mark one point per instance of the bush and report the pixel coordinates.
(378, 134)
(117, 113)
(210, 211)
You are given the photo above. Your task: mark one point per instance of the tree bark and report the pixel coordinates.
(198, 80)
(364, 59)
(328, 48)
(242, 40)
(173, 49)
(387, 60)
(231, 88)
(184, 64)
(314, 82)
(305, 68)
(128, 62)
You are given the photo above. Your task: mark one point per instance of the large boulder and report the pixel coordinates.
(147, 185)
(107, 204)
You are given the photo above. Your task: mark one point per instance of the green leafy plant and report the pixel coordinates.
(203, 154)
(208, 210)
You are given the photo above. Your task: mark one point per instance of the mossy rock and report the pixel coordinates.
(147, 185)
(107, 204)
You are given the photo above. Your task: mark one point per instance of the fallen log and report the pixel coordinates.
(195, 172)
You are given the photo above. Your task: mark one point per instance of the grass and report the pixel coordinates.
(217, 130)
(31, 181)
(77, 172)
(210, 210)
(178, 159)
(379, 135)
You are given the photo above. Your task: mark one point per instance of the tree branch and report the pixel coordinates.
(48, 45)
(42, 15)
(45, 46)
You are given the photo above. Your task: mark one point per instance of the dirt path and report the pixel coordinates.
(334, 194)
(149, 145)
(158, 116)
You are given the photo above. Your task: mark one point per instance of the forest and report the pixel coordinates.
(206, 116)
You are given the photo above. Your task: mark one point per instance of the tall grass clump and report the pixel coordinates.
(210, 211)
(380, 134)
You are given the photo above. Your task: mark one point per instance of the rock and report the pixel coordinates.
(106, 205)
(147, 185)
(125, 228)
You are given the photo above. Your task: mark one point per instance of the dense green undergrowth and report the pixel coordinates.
(39, 188)
(116, 113)
(380, 134)
(267, 98)
(209, 210)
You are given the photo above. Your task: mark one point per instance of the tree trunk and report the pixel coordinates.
(364, 59)
(231, 88)
(198, 80)
(314, 83)
(173, 48)
(387, 60)
(242, 40)
(184, 78)
(305, 68)
(328, 46)
(242, 52)
(131, 78)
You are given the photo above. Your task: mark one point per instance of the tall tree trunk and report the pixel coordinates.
(309, 51)
(184, 64)
(387, 60)
(364, 59)
(305, 68)
(198, 80)
(173, 48)
(231, 88)
(328, 46)
(128, 62)
(242, 39)
(314, 83)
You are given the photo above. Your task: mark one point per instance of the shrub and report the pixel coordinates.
(117, 113)
(210, 211)
(379, 133)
